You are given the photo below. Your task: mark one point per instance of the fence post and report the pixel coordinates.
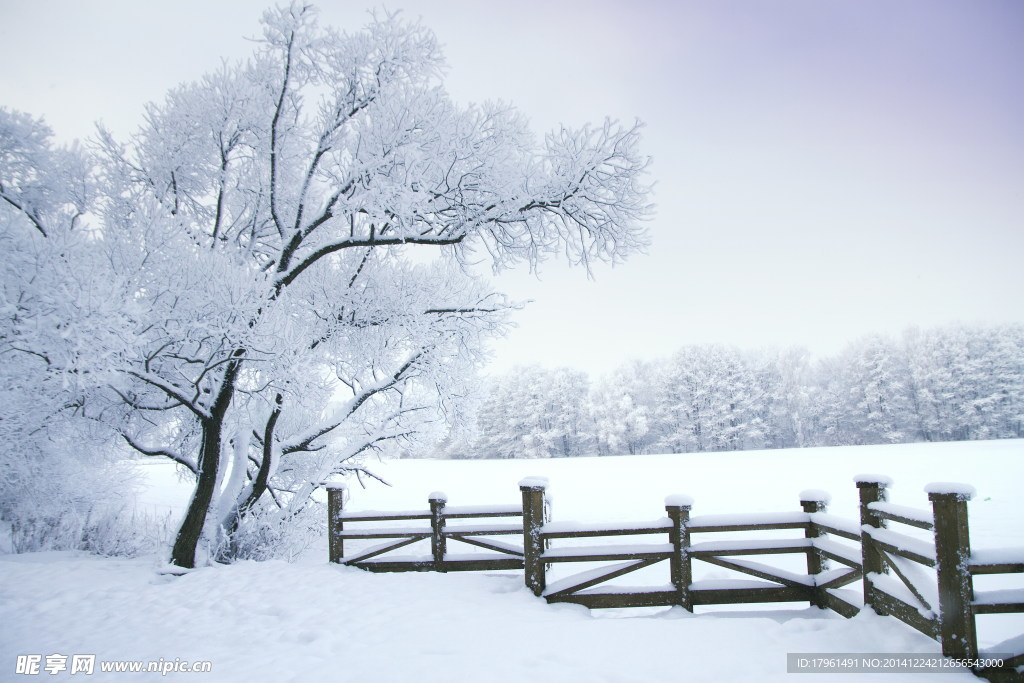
(815, 501)
(872, 490)
(533, 490)
(335, 525)
(681, 569)
(437, 539)
(952, 555)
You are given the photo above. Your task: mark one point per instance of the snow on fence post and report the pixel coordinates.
(681, 569)
(815, 501)
(872, 490)
(335, 505)
(437, 540)
(952, 554)
(533, 490)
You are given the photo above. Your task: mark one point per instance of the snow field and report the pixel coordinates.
(275, 621)
(310, 621)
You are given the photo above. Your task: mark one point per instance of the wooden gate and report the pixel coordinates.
(434, 525)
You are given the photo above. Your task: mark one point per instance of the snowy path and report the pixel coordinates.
(313, 622)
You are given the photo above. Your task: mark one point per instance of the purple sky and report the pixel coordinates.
(825, 169)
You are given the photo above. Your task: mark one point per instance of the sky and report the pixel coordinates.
(823, 169)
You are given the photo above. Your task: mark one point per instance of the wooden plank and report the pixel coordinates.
(998, 608)
(957, 631)
(397, 566)
(595, 555)
(835, 603)
(438, 501)
(534, 504)
(904, 520)
(922, 519)
(750, 547)
(836, 532)
(335, 507)
(483, 529)
(997, 568)
(1002, 601)
(680, 564)
(733, 596)
(482, 565)
(753, 526)
(449, 565)
(909, 583)
(618, 600)
(816, 563)
(383, 533)
(840, 581)
(908, 614)
(896, 550)
(490, 545)
(838, 552)
(870, 489)
(467, 511)
(381, 516)
(835, 525)
(750, 521)
(616, 572)
(380, 550)
(1014, 661)
(558, 532)
(479, 515)
(760, 571)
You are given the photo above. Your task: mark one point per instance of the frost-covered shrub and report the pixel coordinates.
(63, 486)
(272, 534)
(100, 531)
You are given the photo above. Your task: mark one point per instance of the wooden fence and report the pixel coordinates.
(894, 567)
(502, 555)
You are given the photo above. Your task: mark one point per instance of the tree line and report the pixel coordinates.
(951, 383)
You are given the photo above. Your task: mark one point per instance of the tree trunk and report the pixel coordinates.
(262, 481)
(183, 554)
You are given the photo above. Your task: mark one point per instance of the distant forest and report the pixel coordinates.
(947, 384)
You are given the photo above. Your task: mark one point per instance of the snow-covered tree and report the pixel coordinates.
(258, 234)
(58, 464)
(949, 383)
(967, 382)
(622, 404)
(782, 379)
(709, 402)
(533, 412)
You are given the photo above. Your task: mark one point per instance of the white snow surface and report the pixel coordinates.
(939, 487)
(679, 500)
(815, 495)
(312, 621)
(865, 478)
(906, 511)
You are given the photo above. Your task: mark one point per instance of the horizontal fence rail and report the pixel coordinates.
(503, 555)
(925, 583)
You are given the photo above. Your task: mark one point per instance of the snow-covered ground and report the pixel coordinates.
(310, 621)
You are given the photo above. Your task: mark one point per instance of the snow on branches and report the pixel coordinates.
(291, 239)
